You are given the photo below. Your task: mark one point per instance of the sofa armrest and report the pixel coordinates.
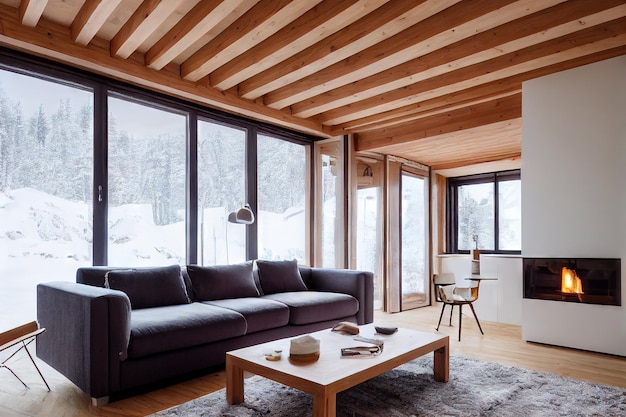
(359, 284)
(87, 333)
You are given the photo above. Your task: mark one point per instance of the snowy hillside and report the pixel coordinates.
(45, 238)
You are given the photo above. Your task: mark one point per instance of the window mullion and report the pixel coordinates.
(496, 215)
(191, 239)
(100, 176)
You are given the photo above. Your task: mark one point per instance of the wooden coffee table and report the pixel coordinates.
(331, 374)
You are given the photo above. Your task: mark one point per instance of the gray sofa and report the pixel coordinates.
(118, 329)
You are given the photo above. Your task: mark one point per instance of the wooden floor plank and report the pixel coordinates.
(501, 343)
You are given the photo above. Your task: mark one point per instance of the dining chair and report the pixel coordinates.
(448, 293)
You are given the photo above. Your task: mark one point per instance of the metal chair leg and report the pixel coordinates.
(443, 307)
(24, 345)
(451, 311)
(14, 374)
(460, 318)
(476, 317)
(36, 367)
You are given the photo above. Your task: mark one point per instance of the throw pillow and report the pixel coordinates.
(280, 276)
(222, 281)
(149, 287)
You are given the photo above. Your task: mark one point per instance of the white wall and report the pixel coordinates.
(574, 194)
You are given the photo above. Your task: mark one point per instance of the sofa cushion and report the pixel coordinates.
(149, 287)
(222, 281)
(162, 329)
(260, 314)
(313, 306)
(279, 276)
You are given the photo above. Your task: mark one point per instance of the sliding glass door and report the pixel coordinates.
(330, 212)
(414, 241)
(369, 226)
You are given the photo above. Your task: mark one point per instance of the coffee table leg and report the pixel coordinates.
(441, 362)
(234, 383)
(325, 405)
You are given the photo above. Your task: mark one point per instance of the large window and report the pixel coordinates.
(97, 172)
(484, 212)
(46, 165)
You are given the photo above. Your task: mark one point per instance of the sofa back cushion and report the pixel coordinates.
(149, 287)
(93, 275)
(220, 282)
(279, 276)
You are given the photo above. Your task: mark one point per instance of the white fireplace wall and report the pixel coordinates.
(574, 194)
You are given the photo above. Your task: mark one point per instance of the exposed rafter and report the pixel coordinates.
(31, 11)
(434, 81)
(147, 18)
(256, 25)
(90, 19)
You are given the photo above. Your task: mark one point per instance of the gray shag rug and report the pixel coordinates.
(475, 388)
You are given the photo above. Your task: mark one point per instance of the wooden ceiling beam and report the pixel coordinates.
(584, 42)
(474, 94)
(447, 27)
(90, 19)
(380, 24)
(499, 142)
(147, 18)
(313, 26)
(428, 108)
(466, 118)
(256, 25)
(30, 11)
(54, 41)
(468, 55)
(554, 22)
(483, 158)
(207, 17)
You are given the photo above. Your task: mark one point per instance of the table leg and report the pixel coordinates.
(325, 405)
(441, 362)
(234, 383)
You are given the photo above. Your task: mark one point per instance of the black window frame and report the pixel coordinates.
(103, 87)
(452, 207)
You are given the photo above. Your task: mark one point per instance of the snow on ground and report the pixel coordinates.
(45, 238)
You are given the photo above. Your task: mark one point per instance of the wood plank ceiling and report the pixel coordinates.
(434, 81)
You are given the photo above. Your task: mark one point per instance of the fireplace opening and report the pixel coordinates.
(579, 280)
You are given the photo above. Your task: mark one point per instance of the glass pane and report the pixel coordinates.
(46, 160)
(329, 210)
(476, 216)
(510, 215)
(332, 201)
(282, 168)
(147, 157)
(368, 235)
(415, 282)
(221, 190)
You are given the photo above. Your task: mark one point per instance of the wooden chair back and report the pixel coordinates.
(15, 335)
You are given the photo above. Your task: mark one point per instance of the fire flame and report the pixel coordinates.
(570, 282)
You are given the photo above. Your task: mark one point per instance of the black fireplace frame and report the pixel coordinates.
(601, 278)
